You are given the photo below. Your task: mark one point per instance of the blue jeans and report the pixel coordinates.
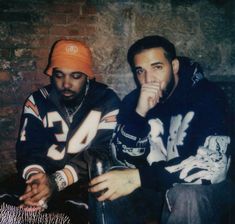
(198, 204)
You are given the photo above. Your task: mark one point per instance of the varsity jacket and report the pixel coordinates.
(48, 142)
(181, 140)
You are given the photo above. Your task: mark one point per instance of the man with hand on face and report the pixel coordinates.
(171, 137)
(59, 123)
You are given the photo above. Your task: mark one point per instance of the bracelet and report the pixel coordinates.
(59, 180)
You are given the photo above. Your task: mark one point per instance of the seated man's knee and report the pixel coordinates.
(185, 195)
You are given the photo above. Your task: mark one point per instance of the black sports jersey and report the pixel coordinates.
(48, 141)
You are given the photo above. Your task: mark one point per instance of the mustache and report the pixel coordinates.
(66, 91)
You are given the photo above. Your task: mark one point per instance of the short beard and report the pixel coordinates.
(66, 101)
(168, 90)
(76, 100)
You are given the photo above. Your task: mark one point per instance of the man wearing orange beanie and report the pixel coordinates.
(61, 123)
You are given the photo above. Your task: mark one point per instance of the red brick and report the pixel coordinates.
(89, 10)
(40, 52)
(59, 30)
(66, 8)
(5, 53)
(41, 83)
(41, 29)
(76, 30)
(57, 18)
(22, 52)
(87, 19)
(41, 77)
(4, 64)
(18, 29)
(6, 97)
(8, 111)
(27, 75)
(7, 156)
(8, 126)
(24, 64)
(43, 41)
(17, 39)
(6, 144)
(37, 75)
(65, 31)
(4, 76)
(23, 91)
(38, 41)
(41, 63)
(72, 18)
(91, 30)
(73, 31)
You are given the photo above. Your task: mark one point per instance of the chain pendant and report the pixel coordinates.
(70, 119)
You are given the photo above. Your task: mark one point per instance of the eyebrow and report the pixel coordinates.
(75, 72)
(57, 70)
(153, 64)
(156, 63)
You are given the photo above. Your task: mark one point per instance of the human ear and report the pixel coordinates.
(175, 66)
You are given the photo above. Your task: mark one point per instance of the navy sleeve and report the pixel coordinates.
(32, 144)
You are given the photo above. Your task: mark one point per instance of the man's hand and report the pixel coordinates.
(150, 95)
(29, 205)
(38, 190)
(116, 183)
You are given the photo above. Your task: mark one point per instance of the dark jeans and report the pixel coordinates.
(198, 204)
(142, 206)
(182, 204)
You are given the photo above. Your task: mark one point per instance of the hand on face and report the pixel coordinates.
(157, 76)
(115, 184)
(37, 193)
(150, 95)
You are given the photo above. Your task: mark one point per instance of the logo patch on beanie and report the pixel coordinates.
(71, 49)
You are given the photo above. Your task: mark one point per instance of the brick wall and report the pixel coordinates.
(203, 30)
